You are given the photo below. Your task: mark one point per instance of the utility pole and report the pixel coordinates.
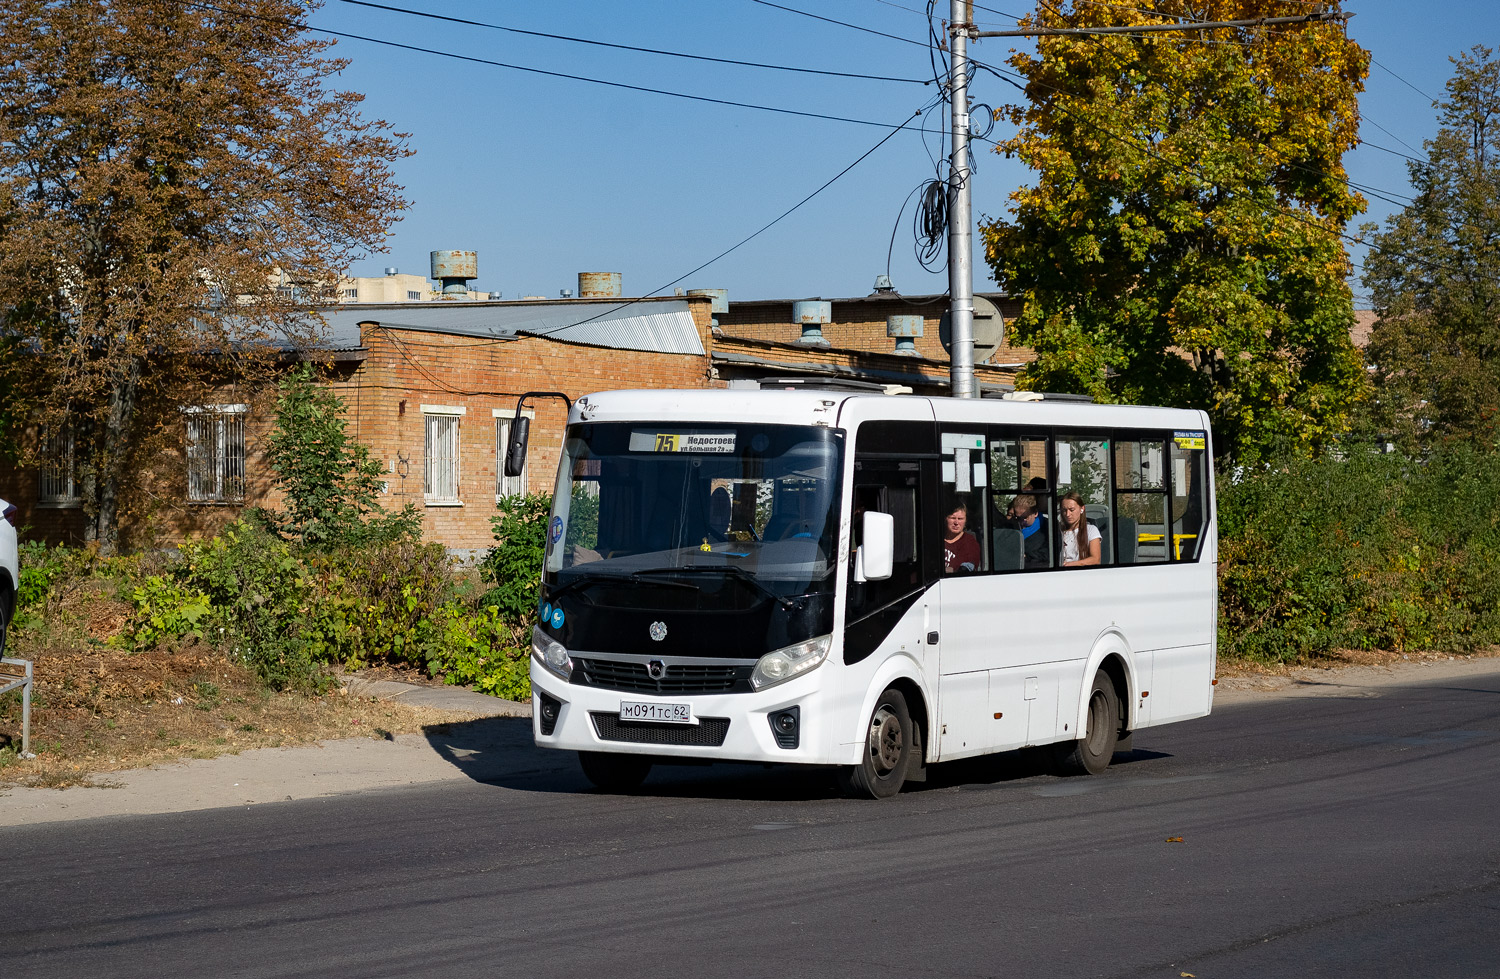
(960, 235)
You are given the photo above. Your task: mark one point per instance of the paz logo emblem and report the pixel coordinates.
(656, 669)
(658, 631)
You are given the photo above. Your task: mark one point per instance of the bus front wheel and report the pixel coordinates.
(1090, 754)
(612, 772)
(889, 743)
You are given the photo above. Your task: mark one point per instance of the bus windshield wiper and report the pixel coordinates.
(595, 577)
(728, 569)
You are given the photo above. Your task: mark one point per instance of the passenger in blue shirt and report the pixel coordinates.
(1023, 516)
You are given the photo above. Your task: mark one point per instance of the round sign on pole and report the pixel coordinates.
(989, 330)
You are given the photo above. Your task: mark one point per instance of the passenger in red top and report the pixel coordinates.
(960, 548)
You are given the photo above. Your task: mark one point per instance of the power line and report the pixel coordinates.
(629, 47)
(840, 23)
(1402, 80)
(537, 71)
(1134, 29)
(1392, 136)
(746, 240)
(1387, 149)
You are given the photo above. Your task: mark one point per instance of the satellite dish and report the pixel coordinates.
(989, 330)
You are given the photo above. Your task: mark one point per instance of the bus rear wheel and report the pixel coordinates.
(612, 772)
(1090, 754)
(890, 740)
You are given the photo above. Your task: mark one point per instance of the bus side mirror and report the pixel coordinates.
(515, 448)
(873, 560)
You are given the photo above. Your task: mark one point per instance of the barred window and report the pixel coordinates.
(506, 485)
(57, 487)
(216, 453)
(413, 294)
(440, 478)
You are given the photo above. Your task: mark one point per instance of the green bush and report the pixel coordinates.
(514, 565)
(288, 613)
(1369, 551)
(330, 484)
(263, 611)
(167, 610)
(380, 602)
(40, 567)
(473, 648)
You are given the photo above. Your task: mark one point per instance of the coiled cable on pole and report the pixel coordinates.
(930, 224)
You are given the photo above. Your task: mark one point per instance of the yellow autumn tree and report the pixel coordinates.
(1181, 244)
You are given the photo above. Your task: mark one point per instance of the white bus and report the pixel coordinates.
(874, 582)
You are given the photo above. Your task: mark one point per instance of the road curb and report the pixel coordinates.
(441, 698)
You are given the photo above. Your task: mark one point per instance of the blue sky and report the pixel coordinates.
(546, 177)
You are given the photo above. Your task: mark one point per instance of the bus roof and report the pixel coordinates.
(841, 409)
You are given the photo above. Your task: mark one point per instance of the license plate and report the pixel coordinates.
(659, 713)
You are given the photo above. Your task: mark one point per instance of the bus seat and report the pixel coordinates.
(1126, 540)
(782, 526)
(1098, 515)
(1009, 549)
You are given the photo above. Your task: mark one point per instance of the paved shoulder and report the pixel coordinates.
(491, 726)
(1350, 681)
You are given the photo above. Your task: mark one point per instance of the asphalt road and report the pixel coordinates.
(1333, 836)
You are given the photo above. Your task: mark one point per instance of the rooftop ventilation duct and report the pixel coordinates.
(600, 285)
(904, 328)
(454, 269)
(812, 315)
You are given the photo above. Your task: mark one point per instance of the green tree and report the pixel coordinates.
(1434, 275)
(1181, 244)
(330, 484)
(177, 185)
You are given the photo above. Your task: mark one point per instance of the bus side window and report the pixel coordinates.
(1140, 530)
(1021, 504)
(1083, 467)
(1187, 497)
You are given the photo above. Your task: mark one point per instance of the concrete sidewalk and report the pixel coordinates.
(285, 774)
(441, 698)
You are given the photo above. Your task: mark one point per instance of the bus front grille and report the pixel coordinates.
(709, 732)
(609, 674)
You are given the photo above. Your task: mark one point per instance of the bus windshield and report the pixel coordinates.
(669, 506)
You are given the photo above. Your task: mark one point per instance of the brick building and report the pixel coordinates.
(431, 388)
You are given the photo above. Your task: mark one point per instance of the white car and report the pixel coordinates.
(10, 569)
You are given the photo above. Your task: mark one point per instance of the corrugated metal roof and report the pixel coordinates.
(660, 325)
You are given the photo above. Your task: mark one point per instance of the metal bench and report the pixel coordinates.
(11, 680)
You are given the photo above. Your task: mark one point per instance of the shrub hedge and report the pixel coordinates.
(287, 612)
(1367, 551)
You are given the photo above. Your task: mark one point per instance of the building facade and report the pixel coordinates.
(431, 388)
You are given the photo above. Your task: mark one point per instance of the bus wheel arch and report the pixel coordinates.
(921, 726)
(1107, 699)
(890, 747)
(1113, 666)
(1098, 733)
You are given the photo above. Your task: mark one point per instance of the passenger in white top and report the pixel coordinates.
(1070, 508)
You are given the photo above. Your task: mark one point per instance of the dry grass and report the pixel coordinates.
(1230, 666)
(97, 709)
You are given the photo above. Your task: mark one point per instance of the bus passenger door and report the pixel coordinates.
(895, 610)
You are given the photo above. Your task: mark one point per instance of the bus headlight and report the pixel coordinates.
(782, 664)
(550, 653)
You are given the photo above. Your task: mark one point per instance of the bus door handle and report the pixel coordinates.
(932, 639)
